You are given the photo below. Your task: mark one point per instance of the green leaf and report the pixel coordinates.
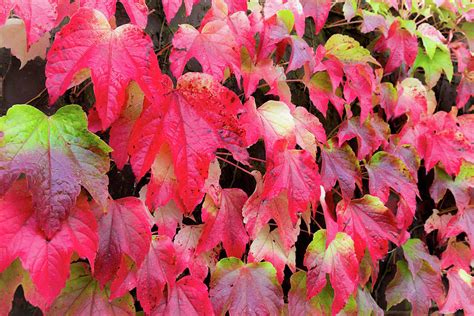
(287, 17)
(57, 154)
(348, 50)
(441, 62)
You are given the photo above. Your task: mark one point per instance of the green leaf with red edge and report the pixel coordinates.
(336, 258)
(366, 305)
(114, 57)
(58, 155)
(462, 187)
(403, 47)
(419, 289)
(370, 224)
(39, 16)
(223, 222)
(416, 254)
(370, 134)
(269, 247)
(137, 10)
(250, 289)
(46, 259)
(194, 120)
(83, 296)
(257, 211)
(340, 164)
(188, 296)
(123, 230)
(348, 50)
(295, 174)
(10, 279)
(460, 293)
(298, 302)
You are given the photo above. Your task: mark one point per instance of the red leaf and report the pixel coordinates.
(370, 224)
(370, 134)
(123, 230)
(39, 16)
(460, 294)
(223, 222)
(360, 83)
(418, 289)
(245, 289)
(213, 46)
(157, 270)
(188, 297)
(457, 254)
(194, 120)
(295, 174)
(257, 212)
(114, 57)
(340, 164)
(402, 44)
(136, 9)
(338, 260)
(167, 219)
(47, 260)
(308, 130)
(318, 10)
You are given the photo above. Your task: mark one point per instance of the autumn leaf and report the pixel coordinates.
(136, 9)
(338, 259)
(194, 120)
(113, 56)
(460, 292)
(58, 155)
(251, 289)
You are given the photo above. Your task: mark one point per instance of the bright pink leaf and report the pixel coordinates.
(318, 10)
(136, 9)
(460, 294)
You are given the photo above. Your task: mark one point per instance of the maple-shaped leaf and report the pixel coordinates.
(456, 254)
(370, 134)
(157, 270)
(318, 10)
(370, 224)
(460, 293)
(57, 154)
(257, 211)
(46, 259)
(83, 296)
(10, 279)
(360, 83)
(348, 50)
(405, 153)
(403, 47)
(167, 219)
(366, 304)
(223, 222)
(462, 187)
(136, 9)
(122, 128)
(308, 130)
(321, 91)
(298, 303)
(272, 121)
(186, 242)
(113, 56)
(295, 174)
(416, 253)
(13, 36)
(372, 21)
(213, 46)
(418, 289)
(340, 164)
(194, 120)
(462, 222)
(39, 16)
(249, 289)
(188, 296)
(269, 247)
(123, 230)
(171, 7)
(440, 137)
(389, 172)
(435, 66)
(338, 259)
(290, 12)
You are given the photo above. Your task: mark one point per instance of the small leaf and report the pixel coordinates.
(433, 67)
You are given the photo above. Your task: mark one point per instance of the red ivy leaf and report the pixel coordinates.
(194, 120)
(460, 294)
(123, 230)
(403, 47)
(248, 289)
(136, 9)
(114, 57)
